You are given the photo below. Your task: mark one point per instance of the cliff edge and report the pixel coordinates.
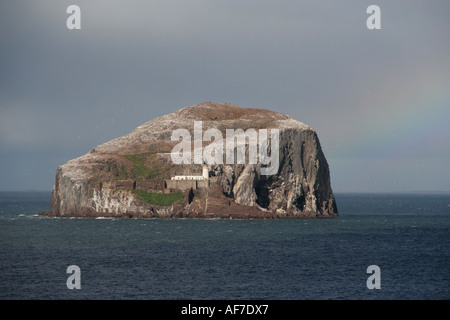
(139, 174)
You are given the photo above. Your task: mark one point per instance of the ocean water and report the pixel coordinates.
(406, 235)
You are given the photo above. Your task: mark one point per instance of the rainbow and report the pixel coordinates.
(403, 119)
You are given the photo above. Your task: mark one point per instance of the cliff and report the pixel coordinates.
(131, 176)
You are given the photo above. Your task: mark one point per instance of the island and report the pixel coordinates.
(211, 160)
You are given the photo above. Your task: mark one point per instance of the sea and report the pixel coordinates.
(381, 247)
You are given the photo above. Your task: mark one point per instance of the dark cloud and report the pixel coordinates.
(62, 92)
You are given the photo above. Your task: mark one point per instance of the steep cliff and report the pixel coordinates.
(128, 176)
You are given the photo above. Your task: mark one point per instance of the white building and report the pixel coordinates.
(204, 176)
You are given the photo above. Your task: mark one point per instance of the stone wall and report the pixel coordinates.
(186, 184)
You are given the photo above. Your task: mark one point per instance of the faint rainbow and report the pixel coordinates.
(414, 115)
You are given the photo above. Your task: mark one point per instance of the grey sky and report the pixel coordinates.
(378, 99)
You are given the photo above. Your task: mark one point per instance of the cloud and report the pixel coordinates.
(132, 61)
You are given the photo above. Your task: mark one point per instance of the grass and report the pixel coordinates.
(140, 169)
(118, 172)
(159, 199)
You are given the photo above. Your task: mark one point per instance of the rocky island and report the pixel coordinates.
(135, 176)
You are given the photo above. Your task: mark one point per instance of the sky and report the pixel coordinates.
(378, 99)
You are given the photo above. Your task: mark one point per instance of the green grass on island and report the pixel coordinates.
(159, 199)
(144, 166)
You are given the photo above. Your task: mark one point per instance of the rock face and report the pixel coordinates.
(126, 177)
